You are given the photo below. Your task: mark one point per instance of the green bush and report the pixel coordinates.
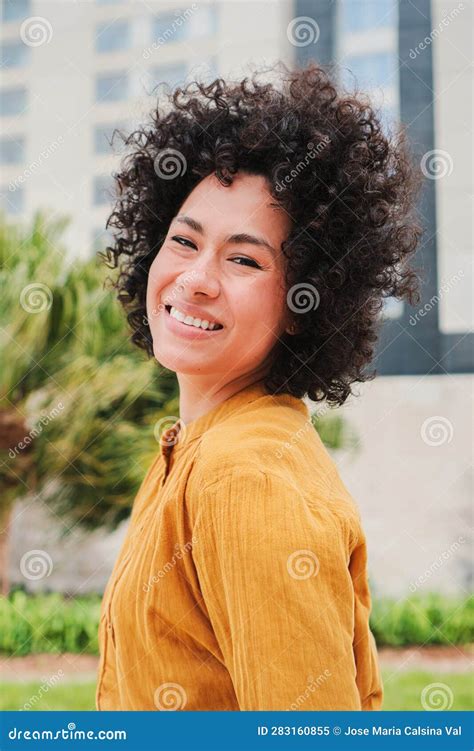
(33, 624)
(422, 619)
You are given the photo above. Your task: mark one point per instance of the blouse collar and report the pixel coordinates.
(180, 434)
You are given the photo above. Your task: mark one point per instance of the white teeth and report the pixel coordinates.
(190, 321)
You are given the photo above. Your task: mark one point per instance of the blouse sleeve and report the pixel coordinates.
(274, 571)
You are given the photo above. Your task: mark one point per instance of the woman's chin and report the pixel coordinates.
(180, 363)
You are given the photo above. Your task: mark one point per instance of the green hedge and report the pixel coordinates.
(31, 624)
(423, 619)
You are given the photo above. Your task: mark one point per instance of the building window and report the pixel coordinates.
(362, 15)
(104, 138)
(185, 24)
(12, 150)
(14, 54)
(103, 190)
(15, 10)
(12, 201)
(168, 76)
(371, 71)
(12, 101)
(112, 87)
(112, 37)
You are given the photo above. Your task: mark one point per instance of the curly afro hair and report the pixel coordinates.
(349, 189)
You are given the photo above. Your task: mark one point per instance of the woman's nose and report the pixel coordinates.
(203, 275)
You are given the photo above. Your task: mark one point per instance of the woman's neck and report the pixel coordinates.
(199, 394)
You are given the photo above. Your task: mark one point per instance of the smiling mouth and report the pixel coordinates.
(216, 326)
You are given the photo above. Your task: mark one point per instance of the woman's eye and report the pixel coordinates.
(183, 241)
(250, 261)
(245, 261)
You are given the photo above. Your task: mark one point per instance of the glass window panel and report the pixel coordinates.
(12, 150)
(12, 101)
(15, 10)
(112, 87)
(111, 37)
(14, 54)
(362, 15)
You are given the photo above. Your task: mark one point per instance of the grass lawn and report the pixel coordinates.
(402, 691)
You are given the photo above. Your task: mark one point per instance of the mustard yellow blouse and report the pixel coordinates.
(242, 581)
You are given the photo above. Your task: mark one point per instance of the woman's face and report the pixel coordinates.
(221, 261)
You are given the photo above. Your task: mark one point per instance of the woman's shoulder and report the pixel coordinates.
(272, 451)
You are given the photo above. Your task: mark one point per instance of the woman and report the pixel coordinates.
(259, 228)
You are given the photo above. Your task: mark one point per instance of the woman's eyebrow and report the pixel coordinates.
(241, 237)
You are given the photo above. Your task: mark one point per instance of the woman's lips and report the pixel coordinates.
(185, 330)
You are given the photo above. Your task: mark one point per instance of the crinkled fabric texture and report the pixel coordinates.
(242, 582)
